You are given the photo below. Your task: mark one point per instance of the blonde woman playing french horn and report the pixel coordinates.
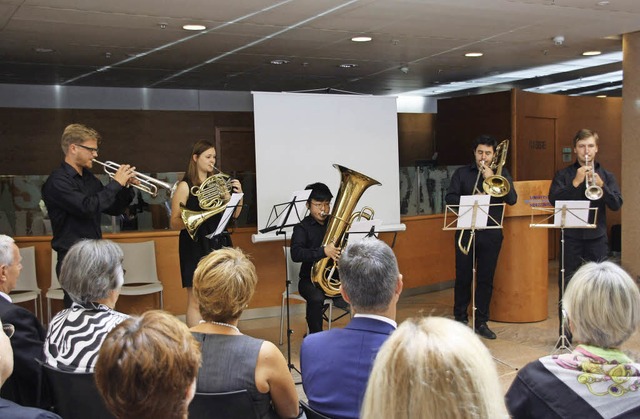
(201, 166)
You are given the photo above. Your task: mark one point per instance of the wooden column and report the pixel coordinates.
(520, 284)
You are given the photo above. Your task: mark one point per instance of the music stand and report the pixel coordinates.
(566, 214)
(473, 214)
(288, 214)
(231, 207)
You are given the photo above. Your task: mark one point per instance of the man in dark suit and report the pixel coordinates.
(10, 409)
(28, 340)
(336, 363)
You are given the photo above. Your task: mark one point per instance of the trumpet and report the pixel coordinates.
(147, 184)
(593, 191)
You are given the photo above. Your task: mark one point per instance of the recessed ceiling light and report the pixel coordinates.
(194, 27)
(44, 50)
(279, 62)
(590, 53)
(361, 39)
(603, 3)
(601, 96)
(348, 65)
(473, 54)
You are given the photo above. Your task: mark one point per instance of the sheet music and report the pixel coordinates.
(362, 228)
(228, 212)
(297, 212)
(465, 211)
(576, 215)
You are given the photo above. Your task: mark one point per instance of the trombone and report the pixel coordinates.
(147, 184)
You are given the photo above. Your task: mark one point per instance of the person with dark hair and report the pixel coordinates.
(467, 180)
(75, 198)
(306, 247)
(201, 166)
(371, 283)
(584, 244)
(147, 368)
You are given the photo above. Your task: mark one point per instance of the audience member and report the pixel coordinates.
(147, 367)
(22, 386)
(92, 275)
(223, 285)
(602, 306)
(433, 368)
(336, 363)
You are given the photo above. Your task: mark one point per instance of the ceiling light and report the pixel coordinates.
(591, 53)
(348, 65)
(361, 39)
(601, 96)
(473, 54)
(603, 3)
(194, 27)
(279, 62)
(44, 50)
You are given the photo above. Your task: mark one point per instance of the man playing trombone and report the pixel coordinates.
(585, 179)
(470, 180)
(75, 198)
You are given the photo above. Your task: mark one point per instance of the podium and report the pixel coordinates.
(521, 281)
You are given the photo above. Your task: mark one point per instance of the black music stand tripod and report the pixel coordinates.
(566, 215)
(474, 210)
(287, 215)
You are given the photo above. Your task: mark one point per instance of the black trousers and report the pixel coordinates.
(315, 302)
(488, 244)
(576, 252)
(67, 300)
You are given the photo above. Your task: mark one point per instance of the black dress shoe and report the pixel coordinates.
(463, 321)
(483, 330)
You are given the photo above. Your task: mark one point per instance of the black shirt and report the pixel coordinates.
(463, 183)
(562, 189)
(306, 244)
(75, 204)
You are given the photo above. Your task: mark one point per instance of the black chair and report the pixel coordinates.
(229, 405)
(75, 395)
(312, 414)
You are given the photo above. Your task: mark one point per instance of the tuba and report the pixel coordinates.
(352, 186)
(213, 195)
(497, 186)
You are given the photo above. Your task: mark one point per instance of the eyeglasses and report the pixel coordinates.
(9, 329)
(90, 149)
(321, 204)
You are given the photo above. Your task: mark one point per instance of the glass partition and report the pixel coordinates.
(23, 214)
(423, 188)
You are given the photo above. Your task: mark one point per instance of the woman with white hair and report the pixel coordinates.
(602, 307)
(433, 367)
(92, 275)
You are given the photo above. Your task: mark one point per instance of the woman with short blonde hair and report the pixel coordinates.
(223, 285)
(433, 367)
(597, 379)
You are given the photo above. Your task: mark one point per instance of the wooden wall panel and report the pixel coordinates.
(416, 137)
(154, 141)
(460, 120)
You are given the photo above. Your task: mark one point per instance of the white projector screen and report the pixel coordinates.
(299, 136)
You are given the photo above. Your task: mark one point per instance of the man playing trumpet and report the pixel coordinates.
(468, 180)
(75, 198)
(585, 244)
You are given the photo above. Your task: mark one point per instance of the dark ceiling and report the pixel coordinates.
(417, 45)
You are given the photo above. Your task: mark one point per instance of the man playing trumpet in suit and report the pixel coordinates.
(75, 198)
(468, 180)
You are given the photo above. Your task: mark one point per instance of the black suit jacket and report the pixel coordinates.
(11, 410)
(27, 343)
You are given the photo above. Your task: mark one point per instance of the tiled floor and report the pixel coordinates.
(517, 343)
